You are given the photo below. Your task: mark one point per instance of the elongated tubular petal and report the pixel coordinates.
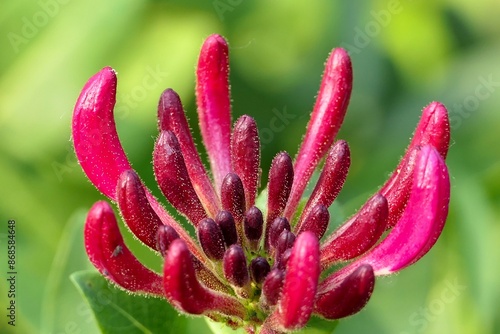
(326, 119)
(316, 221)
(245, 156)
(330, 181)
(101, 155)
(99, 150)
(136, 210)
(301, 280)
(348, 296)
(96, 141)
(214, 106)
(432, 129)
(186, 293)
(420, 225)
(109, 254)
(173, 179)
(171, 117)
(358, 234)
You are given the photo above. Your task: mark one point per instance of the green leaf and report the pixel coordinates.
(319, 326)
(117, 311)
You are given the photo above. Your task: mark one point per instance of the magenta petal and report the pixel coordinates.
(186, 293)
(94, 133)
(347, 296)
(214, 106)
(326, 119)
(171, 117)
(301, 280)
(245, 156)
(136, 210)
(358, 234)
(172, 177)
(109, 254)
(420, 225)
(433, 129)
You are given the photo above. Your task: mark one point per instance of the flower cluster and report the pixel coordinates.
(256, 267)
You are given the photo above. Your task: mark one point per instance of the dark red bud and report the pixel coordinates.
(172, 176)
(136, 210)
(253, 225)
(274, 230)
(283, 260)
(271, 288)
(245, 156)
(235, 266)
(279, 185)
(347, 297)
(259, 268)
(284, 242)
(233, 196)
(226, 223)
(211, 239)
(164, 237)
(316, 221)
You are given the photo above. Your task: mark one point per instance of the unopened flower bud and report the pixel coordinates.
(271, 288)
(227, 225)
(253, 225)
(235, 266)
(211, 239)
(164, 237)
(259, 268)
(274, 230)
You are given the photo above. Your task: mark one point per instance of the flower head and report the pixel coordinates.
(250, 266)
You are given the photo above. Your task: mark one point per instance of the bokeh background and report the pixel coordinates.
(405, 54)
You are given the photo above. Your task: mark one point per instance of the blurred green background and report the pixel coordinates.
(405, 54)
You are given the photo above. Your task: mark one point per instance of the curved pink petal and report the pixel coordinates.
(99, 150)
(214, 105)
(433, 129)
(96, 141)
(326, 119)
(109, 254)
(420, 225)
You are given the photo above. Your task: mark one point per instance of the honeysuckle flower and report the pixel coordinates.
(252, 266)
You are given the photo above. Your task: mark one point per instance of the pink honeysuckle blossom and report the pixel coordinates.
(255, 267)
